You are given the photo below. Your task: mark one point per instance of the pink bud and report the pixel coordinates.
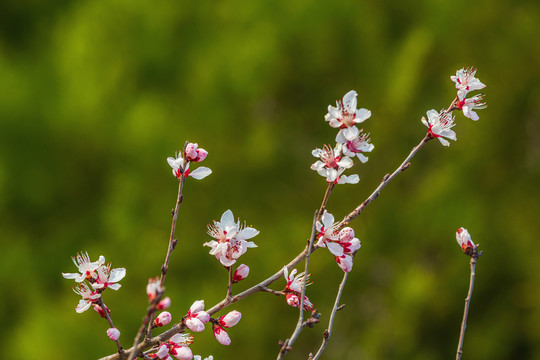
(163, 351)
(113, 333)
(153, 288)
(241, 273)
(100, 311)
(163, 319)
(292, 300)
(230, 319)
(164, 304)
(194, 324)
(196, 307)
(193, 153)
(221, 335)
(182, 352)
(464, 240)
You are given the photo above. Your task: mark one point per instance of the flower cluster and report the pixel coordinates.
(231, 239)
(341, 244)
(350, 141)
(440, 123)
(225, 322)
(196, 317)
(293, 288)
(93, 278)
(180, 164)
(177, 346)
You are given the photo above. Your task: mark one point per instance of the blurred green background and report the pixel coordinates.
(96, 95)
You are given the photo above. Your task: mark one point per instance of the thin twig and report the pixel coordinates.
(229, 286)
(172, 240)
(386, 179)
(109, 319)
(335, 309)
(474, 256)
(301, 324)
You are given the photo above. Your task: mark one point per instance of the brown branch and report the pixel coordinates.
(474, 256)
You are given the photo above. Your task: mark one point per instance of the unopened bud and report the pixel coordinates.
(221, 335)
(241, 273)
(230, 319)
(164, 304)
(163, 319)
(113, 333)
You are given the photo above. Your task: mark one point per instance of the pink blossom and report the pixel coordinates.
(468, 105)
(439, 125)
(164, 304)
(196, 316)
(163, 319)
(295, 282)
(345, 113)
(230, 319)
(465, 82)
(104, 277)
(355, 143)
(194, 153)
(221, 335)
(113, 333)
(85, 266)
(231, 238)
(331, 164)
(88, 297)
(464, 240)
(241, 273)
(179, 167)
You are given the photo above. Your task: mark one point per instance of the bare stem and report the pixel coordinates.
(328, 332)
(109, 319)
(386, 179)
(474, 257)
(229, 286)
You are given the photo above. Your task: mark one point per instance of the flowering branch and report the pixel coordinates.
(230, 238)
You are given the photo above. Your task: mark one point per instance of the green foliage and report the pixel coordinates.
(98, 94)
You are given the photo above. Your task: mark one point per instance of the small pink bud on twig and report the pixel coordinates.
(221, 335)
(164, 304)
(197, 317)
(241, 273)
(163, 319)
(464, 240)
(230, 319)
(113, 333)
